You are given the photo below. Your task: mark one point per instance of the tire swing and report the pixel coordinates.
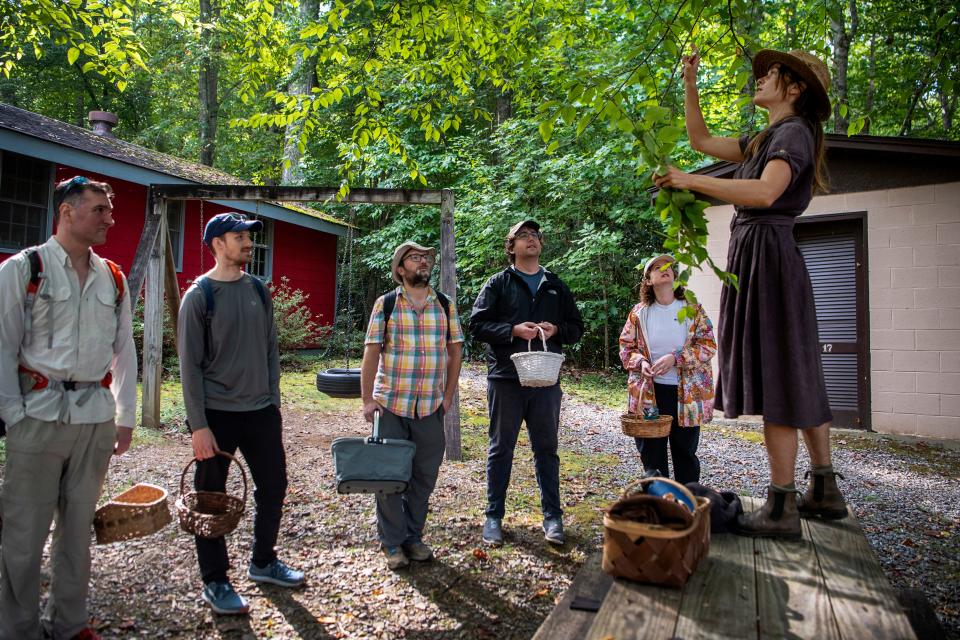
(345, 382)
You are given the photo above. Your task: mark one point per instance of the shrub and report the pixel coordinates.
(297, 326)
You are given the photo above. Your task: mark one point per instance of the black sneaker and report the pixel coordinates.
(553, 530)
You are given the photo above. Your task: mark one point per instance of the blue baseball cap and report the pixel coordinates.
(226, 222)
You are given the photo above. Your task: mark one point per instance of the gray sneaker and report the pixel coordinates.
(275, 573)
(553, 530)
(417, 551)
(493, 531)
(396, 559)
(224, 600)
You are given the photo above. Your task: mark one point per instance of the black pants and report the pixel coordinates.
(683, 441)
(509, 405)
(259, 436)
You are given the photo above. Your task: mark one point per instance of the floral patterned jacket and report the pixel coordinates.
(695, 389)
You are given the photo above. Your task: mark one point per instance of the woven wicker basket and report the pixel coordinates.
(210, 514)
(537, 368)
(652, 553)
(635, 425)
(139, 511)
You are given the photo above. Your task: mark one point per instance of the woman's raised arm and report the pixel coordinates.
(700, 138)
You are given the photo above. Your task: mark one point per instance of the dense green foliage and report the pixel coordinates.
(556, 109)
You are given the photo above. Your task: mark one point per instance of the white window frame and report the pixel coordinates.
(266, 246)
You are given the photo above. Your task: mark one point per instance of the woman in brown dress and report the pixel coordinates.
(769, 348)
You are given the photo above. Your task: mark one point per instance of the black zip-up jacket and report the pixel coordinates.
(505, 301)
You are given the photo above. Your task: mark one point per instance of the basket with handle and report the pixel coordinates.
(537, 368)
(653, 553)
(137, 512)
(210, 514)
(637, 426)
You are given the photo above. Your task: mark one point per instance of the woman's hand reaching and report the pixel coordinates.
(674, 179)
(691, 64)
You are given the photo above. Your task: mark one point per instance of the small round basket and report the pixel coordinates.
(537, 368)
(635, 425)
(210, 514)
(651, 553)
(137, 512)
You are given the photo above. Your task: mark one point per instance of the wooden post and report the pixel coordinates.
(448, 286)
(153, 319)
(148, 240)
(172, 287)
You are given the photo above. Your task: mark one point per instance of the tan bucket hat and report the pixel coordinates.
(809, 67)
(401, 251)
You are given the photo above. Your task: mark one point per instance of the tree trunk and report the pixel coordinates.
(841, 57)
(504, 107)
(921, 89)
(948, 105)
(750, 25)
(303, 80)
(209, 78)
(871, 85)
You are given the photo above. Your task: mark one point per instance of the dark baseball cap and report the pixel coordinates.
(532, 224)
(225, 222)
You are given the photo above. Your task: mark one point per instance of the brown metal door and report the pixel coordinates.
(833, 252)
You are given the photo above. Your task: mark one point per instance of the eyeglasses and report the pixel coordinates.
(528, 235)
(65, 188)
(419, 257)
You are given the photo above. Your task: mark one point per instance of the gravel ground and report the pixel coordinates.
(905, 494)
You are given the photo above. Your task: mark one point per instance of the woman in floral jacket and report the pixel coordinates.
(674, 358)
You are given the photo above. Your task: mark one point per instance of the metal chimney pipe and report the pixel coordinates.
(102, 123)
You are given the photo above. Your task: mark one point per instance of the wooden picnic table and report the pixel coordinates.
(829, 585)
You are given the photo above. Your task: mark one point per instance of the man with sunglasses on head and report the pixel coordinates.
(68, 394)
(411, 366)
(512, 309)
(230, 372)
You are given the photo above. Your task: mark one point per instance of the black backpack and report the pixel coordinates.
(204, 284)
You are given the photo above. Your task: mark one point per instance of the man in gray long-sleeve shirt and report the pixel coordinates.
(230, 371)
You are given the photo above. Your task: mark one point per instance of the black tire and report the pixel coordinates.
(339, 383)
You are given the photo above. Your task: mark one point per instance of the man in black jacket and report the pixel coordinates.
(511, 309)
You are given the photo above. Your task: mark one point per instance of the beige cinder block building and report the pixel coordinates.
(883, 251)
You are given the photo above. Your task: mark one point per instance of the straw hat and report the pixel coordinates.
(401, 251)
(810, 68)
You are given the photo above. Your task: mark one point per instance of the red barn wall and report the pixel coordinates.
(308, 258)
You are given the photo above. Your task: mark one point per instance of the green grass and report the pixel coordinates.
(299, 390)
(606, 389)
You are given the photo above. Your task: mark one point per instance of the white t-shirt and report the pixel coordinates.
(665, 335)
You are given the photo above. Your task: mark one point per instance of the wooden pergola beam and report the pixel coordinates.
(295, 194)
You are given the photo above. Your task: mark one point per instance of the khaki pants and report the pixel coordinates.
(53, 471)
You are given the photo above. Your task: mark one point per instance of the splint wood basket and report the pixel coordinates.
(137, 512)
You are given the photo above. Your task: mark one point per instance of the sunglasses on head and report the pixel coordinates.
(71, 185)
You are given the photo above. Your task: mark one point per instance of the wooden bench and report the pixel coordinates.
(829, 585)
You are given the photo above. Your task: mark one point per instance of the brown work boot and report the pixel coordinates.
(823, 498)
(777, 518)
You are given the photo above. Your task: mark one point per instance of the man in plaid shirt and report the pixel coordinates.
(411, 364)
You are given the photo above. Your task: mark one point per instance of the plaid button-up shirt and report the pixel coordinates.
(412, 373)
